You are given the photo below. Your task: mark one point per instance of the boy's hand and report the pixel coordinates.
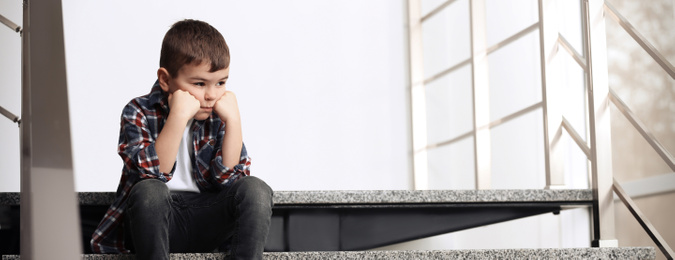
(183, 104)
(227, 108)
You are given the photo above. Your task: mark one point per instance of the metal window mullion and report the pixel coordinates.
(603, 229)
(551, 94)
(417, 96)
(481, 95)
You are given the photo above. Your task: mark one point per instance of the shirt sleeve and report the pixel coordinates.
(224, 175)
(137, 145)
(210, 162)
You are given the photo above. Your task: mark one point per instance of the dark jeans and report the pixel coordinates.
(160, 221)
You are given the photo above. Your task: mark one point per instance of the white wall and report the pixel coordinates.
(321, 86)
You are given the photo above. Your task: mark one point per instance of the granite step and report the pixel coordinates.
(372, 197)
(642, 253)
(355, 220)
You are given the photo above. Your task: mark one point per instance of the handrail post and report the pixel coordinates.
(550, 88)
(481, 95)
(603, 234)
(417, 93)
(49, 222)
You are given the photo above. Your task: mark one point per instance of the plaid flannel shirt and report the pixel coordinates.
(142, 120)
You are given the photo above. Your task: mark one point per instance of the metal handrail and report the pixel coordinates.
(646, 225)
(640, 39)
(10, 116)
(16, 28)
(490, 125)
(437, 10)
(575, 55)
(10, 24)
(646, 134)
(576, 137)
(638, 125)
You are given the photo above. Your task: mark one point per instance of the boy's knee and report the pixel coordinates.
(149, 194)
(253, 189)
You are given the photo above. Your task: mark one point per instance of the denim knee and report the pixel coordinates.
(152, 195)
(252, 190)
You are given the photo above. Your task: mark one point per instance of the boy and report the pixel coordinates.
(185, 184)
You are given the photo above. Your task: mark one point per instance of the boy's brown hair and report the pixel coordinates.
(193, 42)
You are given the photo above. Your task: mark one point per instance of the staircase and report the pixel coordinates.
(342, 224)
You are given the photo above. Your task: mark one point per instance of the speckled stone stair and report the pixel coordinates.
(360, 220)
(361, 197)
(288, 201)
(642, 253)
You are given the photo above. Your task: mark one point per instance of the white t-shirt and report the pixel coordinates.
(182, 177)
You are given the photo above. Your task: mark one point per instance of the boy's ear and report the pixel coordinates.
(163, 77)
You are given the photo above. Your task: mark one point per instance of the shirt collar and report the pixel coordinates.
(159, 97)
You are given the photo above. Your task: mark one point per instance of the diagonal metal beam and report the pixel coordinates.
(576, 137)
(437, 10)
(9, 115)
(640, 39)
(642, 128)
(9, 24)
(575, 55)
(644, 222)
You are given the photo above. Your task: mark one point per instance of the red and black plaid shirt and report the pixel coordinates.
(142, 120)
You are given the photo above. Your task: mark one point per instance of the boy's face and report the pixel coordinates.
(207, 87)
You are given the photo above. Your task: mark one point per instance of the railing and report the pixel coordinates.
(10, 24)
(592, 59)
(15, 28)
(637, 124)
(624, 109)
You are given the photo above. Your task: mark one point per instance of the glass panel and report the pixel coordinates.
(446, 38)
(570, 24)
(452, 166)
(506, 18)
(449, 106)
(515, 76)
(518, 153)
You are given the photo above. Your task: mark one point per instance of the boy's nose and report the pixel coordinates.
(209, 94)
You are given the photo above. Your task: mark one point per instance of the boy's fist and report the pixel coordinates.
(227, 108)
(183, 104)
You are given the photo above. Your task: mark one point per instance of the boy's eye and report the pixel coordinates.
(201, 84)
(222, 83)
